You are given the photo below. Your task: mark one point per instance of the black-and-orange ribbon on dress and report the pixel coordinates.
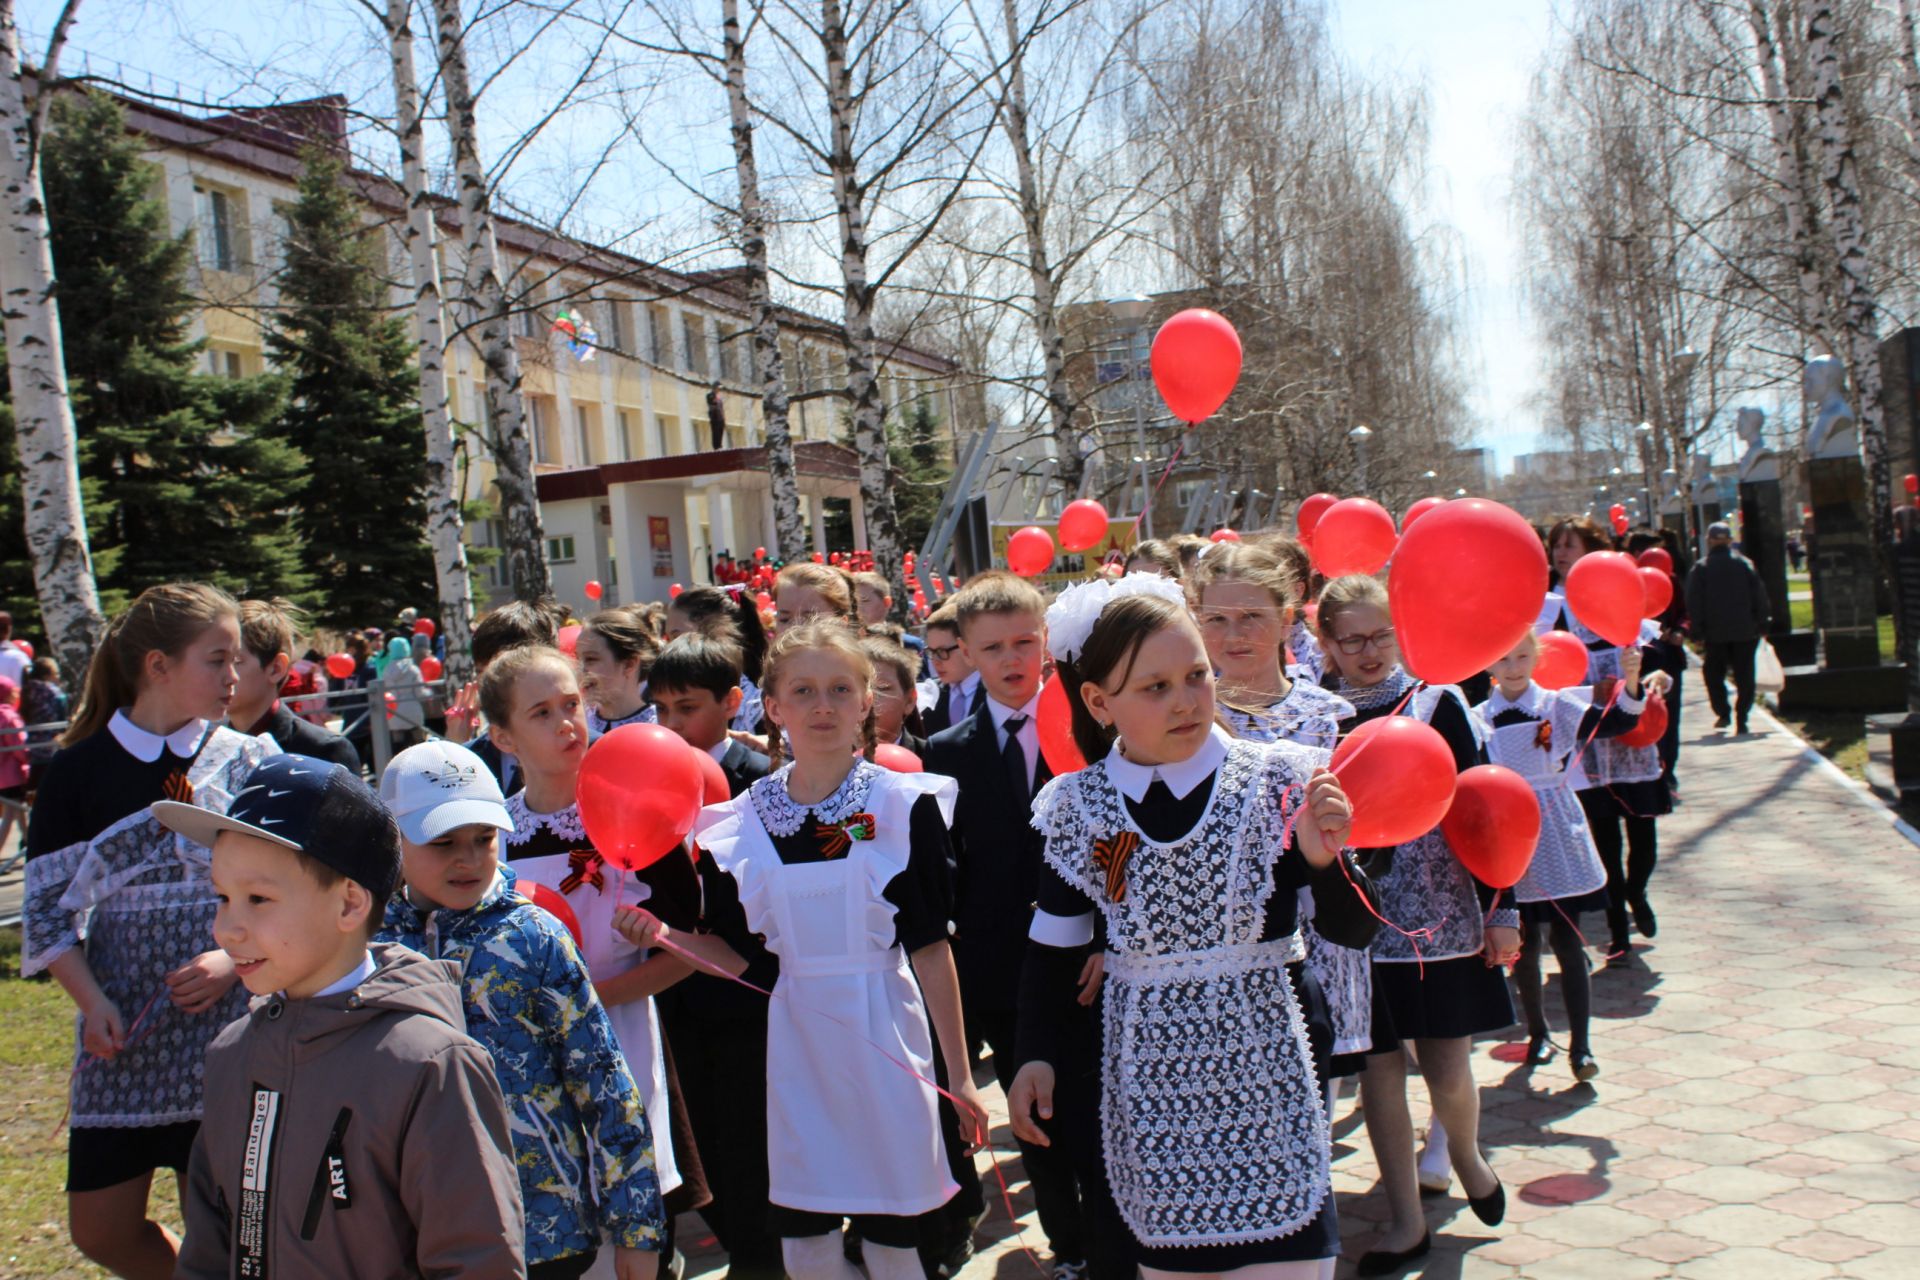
(837, 838)
(584, 866)
(1111, 856)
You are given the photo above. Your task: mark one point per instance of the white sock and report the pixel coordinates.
(819, 1257)
(1433, 1159)
(884, 1262)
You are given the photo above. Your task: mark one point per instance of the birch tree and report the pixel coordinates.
(1857, 312)
(1798, 196)
(56, 527)
(512, 448)
(445, 526)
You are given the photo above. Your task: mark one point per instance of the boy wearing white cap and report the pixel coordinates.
(580, 1134)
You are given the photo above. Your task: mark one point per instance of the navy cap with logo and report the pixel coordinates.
(314, 806)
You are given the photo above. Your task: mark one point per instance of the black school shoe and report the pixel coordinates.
(1643, 918)
(1584, 1067)
(1384, 1262)
(1539, 1051)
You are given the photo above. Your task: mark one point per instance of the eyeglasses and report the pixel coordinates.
(1359, 644)
(942, 653)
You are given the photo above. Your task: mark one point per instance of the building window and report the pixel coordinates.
(224, 364)
(537, 428)
(215, 233)
(624, 420)
(583, 424)
(659, 336)
(617, 326)
(494, 534)
(666, 435)
(694, 335)
(560, 549)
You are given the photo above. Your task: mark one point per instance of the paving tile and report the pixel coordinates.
(1671, 1247)
(1754, 1264)
(1740, 1224)
(1829, 1246)
(1811, 1204)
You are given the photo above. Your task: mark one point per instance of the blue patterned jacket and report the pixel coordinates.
(580, 1135)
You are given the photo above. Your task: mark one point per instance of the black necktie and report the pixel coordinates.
(1015, 759)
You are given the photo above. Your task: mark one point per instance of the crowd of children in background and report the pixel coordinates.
(477, 1046)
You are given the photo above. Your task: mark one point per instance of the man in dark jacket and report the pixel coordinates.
(1728, 610)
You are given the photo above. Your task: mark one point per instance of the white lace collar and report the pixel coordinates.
(782, 815)
(1528, 702)
(146, 747)
(1181, 776)
(565, 824)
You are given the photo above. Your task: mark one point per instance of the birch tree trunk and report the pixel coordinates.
(525, 550)
(863, 385)
(55, 522)
(790, 531)
(1798, 197)
(1858, 318)
(1910, 79)
(444, 522)
(1033, 215)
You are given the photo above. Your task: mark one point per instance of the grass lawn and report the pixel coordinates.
(1802, 614)
(1841, 736)
(36, 1054)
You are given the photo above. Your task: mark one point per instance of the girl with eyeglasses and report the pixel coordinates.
(1436, 963)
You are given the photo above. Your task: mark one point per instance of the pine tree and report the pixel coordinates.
(353, 408)
(183, 483)
(920, 474)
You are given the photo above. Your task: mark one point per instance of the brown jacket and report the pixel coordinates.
(354, 1137)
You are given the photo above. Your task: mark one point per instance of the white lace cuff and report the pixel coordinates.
(1050, 930)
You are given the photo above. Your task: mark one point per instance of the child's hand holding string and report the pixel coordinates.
(640, 927)
(1329, 819)
(1630, 664)
(199, 984)
(464, 714)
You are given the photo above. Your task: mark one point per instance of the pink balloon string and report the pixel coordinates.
(135, 1034)
(1006, 1196)
(1157, 486)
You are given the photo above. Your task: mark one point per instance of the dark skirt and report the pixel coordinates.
(1318, 1238)
(1438, 1000)
(1650, 799)
(1552, 910)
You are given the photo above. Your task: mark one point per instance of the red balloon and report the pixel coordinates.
(640, 790)
(1620, 525)
(1493, 824)
(714, 788)
(341, 666)
(763, 600)
(1658, 587)
(673, 592)
(1604, 592)
(393, 705)
(593, 589)
(1311, 509)
(1417, 510)
(431, 668)
(1398, 774)
(424, 627)
(891, 755)
(1617, 510)
(1467, 583)
(1655, 558)
(24, 647)
(1030, 551)
(818, 558)
(1354, 535)
(1653, 723)
(759, 553)
(1083, 525)
(1062, 754)
(1224, 535)
(569, 638)
(1196, 362)
(550, 901)
(1562, 662)
(1911, 482)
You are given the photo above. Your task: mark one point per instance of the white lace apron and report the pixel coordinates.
(1211, 1116)
(847, 1130)
(636, 1024)
(141, 899)
(1565, 862)
(1608, 760)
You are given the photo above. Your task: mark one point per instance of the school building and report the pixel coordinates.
(649, 450)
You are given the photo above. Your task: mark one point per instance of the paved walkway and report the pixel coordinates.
(1758, 1112)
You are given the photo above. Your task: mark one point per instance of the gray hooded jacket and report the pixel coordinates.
(359, 1136)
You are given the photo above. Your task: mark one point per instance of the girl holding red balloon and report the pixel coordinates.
(535, 713)
(1436, 967)
(615, 649)
(1602, 602)
(834, 872)
(1537, 733)
(1190, 845)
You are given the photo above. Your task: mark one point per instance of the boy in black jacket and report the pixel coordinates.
(995, 756)
(260, 670)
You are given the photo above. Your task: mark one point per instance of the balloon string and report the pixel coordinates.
(1157, 486)
(135, 1034)
(1006, 1196)
(1573, 764)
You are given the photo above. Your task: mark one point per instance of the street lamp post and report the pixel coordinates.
(1683, 366)
(1132, 311)
(1644, 433)
(1360, 435)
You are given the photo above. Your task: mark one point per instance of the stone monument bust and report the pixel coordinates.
(1758, 462)
(1832, 435)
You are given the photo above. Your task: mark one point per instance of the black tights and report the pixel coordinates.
(1628, 883)
(1568, 950)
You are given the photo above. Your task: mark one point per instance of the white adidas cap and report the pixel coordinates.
(437, 786)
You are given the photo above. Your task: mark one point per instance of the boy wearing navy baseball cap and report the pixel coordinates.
(352, 1127)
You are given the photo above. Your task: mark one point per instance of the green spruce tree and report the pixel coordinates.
(182, 480)
(353, 408)
(920, 473)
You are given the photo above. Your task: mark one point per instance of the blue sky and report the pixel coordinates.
(1475, 58)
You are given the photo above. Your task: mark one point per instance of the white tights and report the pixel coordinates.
(823, 1257)
(1311, 1269)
